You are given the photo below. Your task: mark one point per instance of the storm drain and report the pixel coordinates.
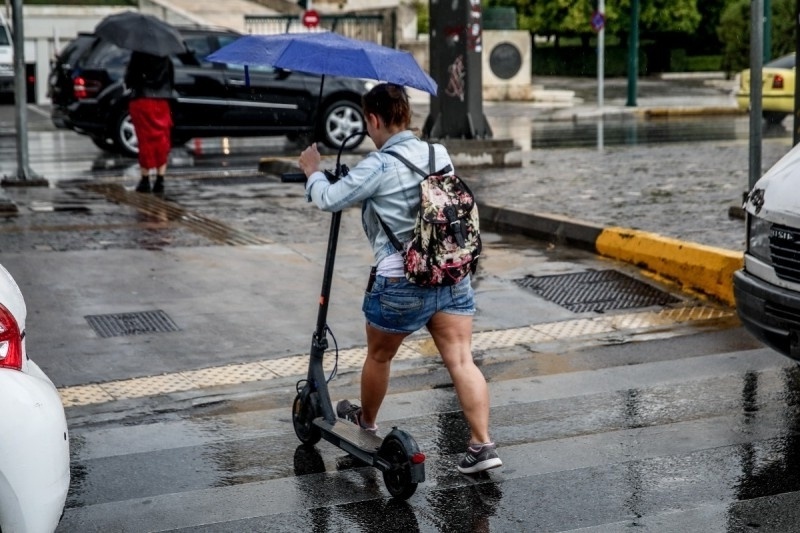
(595, 290)
(121, 324)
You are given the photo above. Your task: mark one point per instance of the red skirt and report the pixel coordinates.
(152, 120)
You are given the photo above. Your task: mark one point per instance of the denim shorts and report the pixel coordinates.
(396, 305)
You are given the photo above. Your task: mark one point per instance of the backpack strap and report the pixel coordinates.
(409, 164)
(432, 164)
(389, 233)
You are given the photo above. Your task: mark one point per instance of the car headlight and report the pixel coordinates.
(758, 238)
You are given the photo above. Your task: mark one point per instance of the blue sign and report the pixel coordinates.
(598, 21)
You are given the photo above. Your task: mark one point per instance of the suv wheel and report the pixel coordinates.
(102, 143)
(124, 135)
(341, 119)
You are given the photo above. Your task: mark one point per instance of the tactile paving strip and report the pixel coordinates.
(353, 358)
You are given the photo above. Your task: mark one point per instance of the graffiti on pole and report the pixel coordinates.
(455, 83)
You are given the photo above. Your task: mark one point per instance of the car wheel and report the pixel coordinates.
(340, 120)
(103, 143)
(773, 117)
(124, 136)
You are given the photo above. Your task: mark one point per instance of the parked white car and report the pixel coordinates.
(34, 444)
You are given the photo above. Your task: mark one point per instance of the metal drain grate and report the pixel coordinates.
(595, 290)
(122, 324)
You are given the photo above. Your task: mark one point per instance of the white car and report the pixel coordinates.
(34, 444)
(767, 289)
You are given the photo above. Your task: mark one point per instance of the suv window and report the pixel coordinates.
(105, 55)
(198, 45)
(72, 52)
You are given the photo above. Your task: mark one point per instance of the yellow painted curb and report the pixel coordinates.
(697, 267)
(659, 112)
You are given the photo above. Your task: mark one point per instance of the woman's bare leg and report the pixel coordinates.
(381, 348)
(452, 335)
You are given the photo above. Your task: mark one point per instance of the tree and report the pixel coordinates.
(661, 16)
(572, 17)
(734, 32)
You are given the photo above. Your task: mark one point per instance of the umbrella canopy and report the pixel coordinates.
(327, 53)
(141, 33)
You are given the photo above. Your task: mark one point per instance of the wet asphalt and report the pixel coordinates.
(690, 429)
(225, 228)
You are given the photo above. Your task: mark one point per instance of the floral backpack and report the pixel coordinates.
(446, 242)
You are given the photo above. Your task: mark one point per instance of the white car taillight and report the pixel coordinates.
(10, 340)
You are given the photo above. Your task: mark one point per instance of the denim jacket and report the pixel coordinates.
(384, 186)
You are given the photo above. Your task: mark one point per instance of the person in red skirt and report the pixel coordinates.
(151, 80)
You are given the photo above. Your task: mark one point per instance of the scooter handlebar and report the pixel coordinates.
(299, 177)
(293, 177)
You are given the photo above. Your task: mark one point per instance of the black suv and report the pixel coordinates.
(212, 100)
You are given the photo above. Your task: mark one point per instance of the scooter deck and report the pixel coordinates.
(350, 438)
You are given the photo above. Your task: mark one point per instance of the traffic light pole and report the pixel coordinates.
(25, 176)
(633, 54)
(456, 46)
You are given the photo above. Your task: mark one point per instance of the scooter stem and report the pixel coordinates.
(319, 342)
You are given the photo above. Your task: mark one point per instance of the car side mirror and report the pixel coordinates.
(282, 73)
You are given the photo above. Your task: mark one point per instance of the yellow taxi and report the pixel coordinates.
(777, 90)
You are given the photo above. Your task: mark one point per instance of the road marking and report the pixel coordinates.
(352, 359)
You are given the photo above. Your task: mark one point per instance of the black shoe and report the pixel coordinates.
(158, 186)
(144, 185)
(479, 458)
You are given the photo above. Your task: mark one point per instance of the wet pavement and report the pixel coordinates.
(660, 418)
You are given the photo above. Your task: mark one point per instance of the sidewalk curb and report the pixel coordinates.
(695, 267)
(659, 112)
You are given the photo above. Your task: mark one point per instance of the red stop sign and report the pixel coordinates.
(310, 19)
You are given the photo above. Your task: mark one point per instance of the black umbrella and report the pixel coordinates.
(141, 33)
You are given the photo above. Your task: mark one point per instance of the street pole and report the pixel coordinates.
(25, 176)
(756, 57)
(601, 45)
(767, 30)
(796, 129)
(633, 54)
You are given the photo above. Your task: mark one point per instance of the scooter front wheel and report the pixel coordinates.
(303, 421)
(398, 478)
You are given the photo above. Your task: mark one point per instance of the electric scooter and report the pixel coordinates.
(396, 455)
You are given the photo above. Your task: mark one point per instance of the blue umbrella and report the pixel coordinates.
(327, 53)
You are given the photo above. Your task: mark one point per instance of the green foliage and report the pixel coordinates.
(423, 16)
(660, 16)
(582, 62)
(572, 17)
(734, 32)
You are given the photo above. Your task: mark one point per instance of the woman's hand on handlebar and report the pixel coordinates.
(309, 160)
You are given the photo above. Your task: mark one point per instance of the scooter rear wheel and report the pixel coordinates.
(398, 478)
(303, 421)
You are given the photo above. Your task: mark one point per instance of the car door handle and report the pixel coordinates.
(238, 83)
